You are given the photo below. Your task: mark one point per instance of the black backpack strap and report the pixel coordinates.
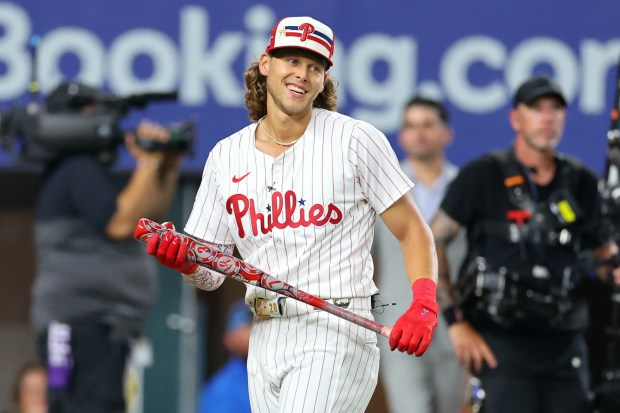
(514, 180)
(570, 169)
(517, 187)
(519, 193)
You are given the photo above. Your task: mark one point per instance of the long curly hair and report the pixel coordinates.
(256, 93)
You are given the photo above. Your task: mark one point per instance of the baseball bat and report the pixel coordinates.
(240, 270)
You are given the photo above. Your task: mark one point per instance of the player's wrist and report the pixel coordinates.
(425, 295)
(148, 162)
(424, 288)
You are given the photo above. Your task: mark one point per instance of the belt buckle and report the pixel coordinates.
(266, 308)
(261, 307)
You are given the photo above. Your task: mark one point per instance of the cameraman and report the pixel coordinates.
(518, 316)
(95, 285)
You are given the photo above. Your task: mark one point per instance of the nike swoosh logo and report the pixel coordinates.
(241, 178)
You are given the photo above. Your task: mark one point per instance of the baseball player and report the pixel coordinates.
(298, 192)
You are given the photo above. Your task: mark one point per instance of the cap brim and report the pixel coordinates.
(328, 61)
(539, 93)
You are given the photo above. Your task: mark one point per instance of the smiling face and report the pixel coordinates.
(540, 124)
(295, 78)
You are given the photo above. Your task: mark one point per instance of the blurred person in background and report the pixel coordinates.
(94, 284)
(227, 391)
(518, 312)
(29, 390)
(434, 383)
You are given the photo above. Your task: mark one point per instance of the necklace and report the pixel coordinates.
(273, 139)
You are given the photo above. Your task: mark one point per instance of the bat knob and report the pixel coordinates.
(386, 331)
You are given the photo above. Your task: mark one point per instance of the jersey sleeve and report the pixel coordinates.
(376, 167)
(208, 219)
(463, 198)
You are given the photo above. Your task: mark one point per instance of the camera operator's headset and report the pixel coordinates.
(535, 224)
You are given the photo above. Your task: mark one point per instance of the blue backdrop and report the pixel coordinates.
(472, 54)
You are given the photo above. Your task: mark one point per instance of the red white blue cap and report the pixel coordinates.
(303, 33)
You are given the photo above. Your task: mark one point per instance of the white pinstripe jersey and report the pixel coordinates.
(307, 216)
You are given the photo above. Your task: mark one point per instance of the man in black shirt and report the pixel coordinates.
(95, 285)
(518, 314)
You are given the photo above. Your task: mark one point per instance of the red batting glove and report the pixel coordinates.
(414, 329)
(170, 249)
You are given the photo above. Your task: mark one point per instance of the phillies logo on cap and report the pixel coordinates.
(306, 28)
(303, 33)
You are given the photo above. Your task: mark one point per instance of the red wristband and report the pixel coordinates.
(424, 288)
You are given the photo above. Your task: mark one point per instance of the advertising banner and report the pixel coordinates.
(472, 55)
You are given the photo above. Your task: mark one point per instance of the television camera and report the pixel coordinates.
(77, 118)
